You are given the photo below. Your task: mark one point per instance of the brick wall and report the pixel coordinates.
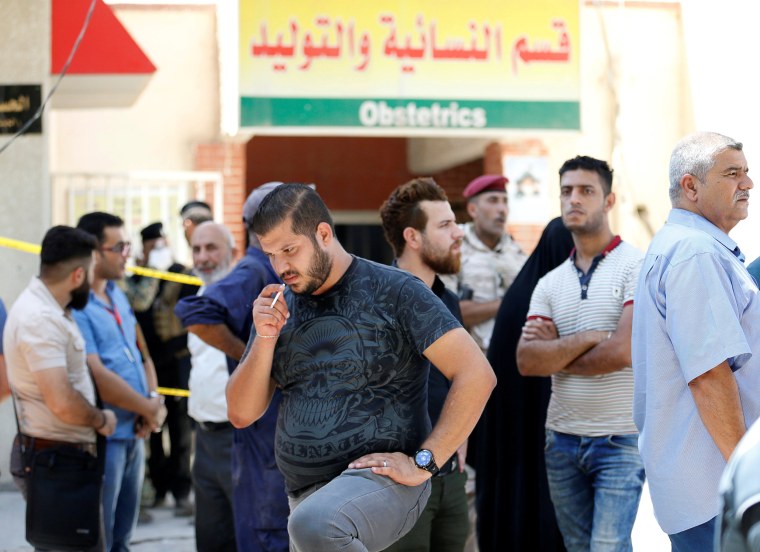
(527, 235)
(229, 159)
(350, 173)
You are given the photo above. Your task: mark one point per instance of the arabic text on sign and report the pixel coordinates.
(339, 40)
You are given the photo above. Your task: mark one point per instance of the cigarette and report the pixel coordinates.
(276, 297)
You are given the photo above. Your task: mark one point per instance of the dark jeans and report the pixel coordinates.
(444, 523)
(212, 482)
(16, 467)
(697, 539)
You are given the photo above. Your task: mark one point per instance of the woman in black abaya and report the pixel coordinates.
(515, 512)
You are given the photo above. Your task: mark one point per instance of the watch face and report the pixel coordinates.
(423, 458)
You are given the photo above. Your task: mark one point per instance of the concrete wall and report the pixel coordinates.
(24, 173)
(178, 108)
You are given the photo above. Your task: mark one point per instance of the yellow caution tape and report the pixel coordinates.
(21, 246)
(168, 391)
(149, 272)
(170, 276)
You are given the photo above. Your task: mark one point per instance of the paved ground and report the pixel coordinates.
(167, 533)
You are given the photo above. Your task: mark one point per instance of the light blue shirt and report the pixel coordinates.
(111, 334)
(695, 306)
(754, 269)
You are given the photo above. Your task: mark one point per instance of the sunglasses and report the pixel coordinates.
(121, 248)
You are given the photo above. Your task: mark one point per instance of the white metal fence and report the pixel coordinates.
(140, 198)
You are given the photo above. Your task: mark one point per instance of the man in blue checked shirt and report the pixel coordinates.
(695, 332)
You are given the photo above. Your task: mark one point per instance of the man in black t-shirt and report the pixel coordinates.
(421, 227)
(348, 343)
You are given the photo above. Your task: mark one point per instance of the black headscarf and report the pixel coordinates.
(515, 512)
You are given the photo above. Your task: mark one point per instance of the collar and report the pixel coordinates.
(616, 240)
(110, 284)
(698, 222)
(438, 286)
(472, 238)
(38, 288)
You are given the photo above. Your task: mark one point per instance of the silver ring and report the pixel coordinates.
(385, 464)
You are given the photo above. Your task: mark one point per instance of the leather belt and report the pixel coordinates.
(215, 426)
(38, 443)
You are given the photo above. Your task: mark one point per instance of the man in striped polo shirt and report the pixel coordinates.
(579, 332)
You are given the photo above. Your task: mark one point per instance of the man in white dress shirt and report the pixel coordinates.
(213, 252)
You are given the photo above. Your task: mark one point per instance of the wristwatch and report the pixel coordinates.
(424, 460)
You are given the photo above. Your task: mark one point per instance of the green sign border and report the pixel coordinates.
(340, 112)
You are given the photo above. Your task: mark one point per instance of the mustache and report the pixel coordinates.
(743, 194)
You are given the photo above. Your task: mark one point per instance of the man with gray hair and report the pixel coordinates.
(222, 317)
(213, 255)
(694, 334)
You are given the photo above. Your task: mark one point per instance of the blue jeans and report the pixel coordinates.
(355, 512)
(697, 539)
(125, 467)
(595, 485)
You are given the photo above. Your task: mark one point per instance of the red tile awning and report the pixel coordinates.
(108, 70)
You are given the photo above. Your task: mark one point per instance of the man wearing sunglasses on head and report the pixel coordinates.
(126, 383)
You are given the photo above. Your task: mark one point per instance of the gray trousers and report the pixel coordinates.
(212, 482)
(357, 511)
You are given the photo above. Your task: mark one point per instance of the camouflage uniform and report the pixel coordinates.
(488, 273)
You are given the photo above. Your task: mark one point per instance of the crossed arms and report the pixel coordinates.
(541, 352)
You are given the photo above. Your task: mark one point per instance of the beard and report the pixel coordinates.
(215, 275)
(593, 224)
(441, 263)
(80, 296)
(316, 275)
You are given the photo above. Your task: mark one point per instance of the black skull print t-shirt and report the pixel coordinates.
(352, 373)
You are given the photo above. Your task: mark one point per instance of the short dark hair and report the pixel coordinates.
(585, 163)
(95, 223)
(402, 209)
(197, 216)
(194, 204)
(298, 202)
(62, 248)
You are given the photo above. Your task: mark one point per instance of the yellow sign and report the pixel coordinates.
(410, 64)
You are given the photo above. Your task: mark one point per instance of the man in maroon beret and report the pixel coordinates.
(490, 257)
(490, 261)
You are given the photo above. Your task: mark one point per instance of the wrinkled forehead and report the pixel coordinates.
(205, 236)
(730, 158)
(280, 237)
